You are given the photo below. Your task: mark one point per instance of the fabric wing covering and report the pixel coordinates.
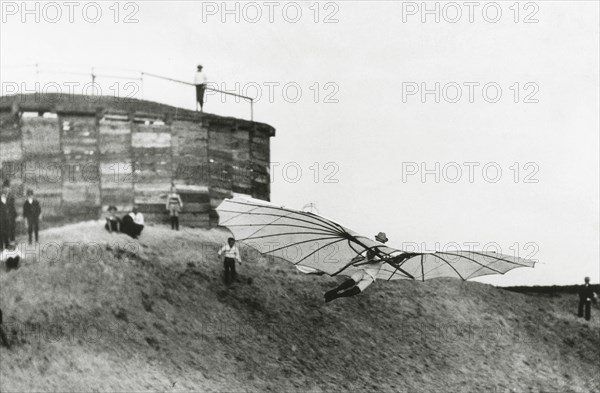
(312, 241)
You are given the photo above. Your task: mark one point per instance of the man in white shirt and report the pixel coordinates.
(364, 277)
(133, 223)
(200, 82)
(230, 254)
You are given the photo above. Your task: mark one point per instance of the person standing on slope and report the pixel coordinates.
(174, 206)
(230, 254)
(32, 212)
(585, 300)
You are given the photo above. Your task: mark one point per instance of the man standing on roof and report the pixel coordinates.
(360, 280)
(200, 82)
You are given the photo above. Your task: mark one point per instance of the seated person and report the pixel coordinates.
(133, 223)
(113, 223)
(11, 257)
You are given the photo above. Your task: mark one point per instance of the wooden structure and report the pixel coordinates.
(81, 154)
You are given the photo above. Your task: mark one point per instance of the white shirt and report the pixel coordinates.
(4, 255)
(137, 218)
(230, 252)
(200, 78)
(372, 269)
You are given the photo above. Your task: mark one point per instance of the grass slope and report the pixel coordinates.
(92, 311)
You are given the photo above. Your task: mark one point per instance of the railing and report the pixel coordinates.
(94, 74)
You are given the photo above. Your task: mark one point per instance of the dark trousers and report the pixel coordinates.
(112, 225)
(33, 226)
(175, 223)
(12, 230)
(229, 265)
(200, 94)
(4, 238)
(3, 338)
(12, 263)
(587, 305)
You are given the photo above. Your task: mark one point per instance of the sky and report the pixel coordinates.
(444, 125)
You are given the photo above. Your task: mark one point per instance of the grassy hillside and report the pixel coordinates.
(115, 314)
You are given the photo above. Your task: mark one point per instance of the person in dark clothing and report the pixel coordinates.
(127, 225)
(113, 223)
(132, 224)
(4, 221)
(585, 300)
(3, 338)
(32, 212)
(12, 210)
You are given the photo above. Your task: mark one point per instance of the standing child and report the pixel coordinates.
(32, 212)
(174, 206)
(230, 254)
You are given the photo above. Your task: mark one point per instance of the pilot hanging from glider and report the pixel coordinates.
(323, 246)
(365, 276)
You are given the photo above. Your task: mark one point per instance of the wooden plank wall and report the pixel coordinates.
(116, 162)
(190, 171)
(242, 174)
(81, 171)
(152, 162)
(11, 154)
(79, 163)
(41, 167)
(220, 159)
(10, 138)
(260, 161)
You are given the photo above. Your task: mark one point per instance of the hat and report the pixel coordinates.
(381, 237)
(112, 208)
(200, 66)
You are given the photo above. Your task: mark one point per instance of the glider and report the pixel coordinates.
(311, 241)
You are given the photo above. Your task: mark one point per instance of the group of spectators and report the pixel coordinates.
(32, 212)
(10, 256)
(132, 223)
